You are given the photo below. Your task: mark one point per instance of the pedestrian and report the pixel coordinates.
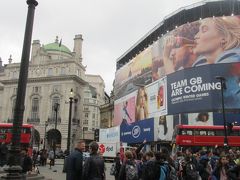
(74, 162)
(94, 168)
(220, 172)
(51, 158)
(129, 169)
(3, 154)
(26, 161)
(118, 163)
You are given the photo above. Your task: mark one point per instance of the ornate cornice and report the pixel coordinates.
(48, 79)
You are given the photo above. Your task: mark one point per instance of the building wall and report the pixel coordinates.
(53, 76)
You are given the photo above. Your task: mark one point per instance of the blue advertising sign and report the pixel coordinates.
(138, 131)
(198, 89)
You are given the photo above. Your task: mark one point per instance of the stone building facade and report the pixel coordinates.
(54, 71)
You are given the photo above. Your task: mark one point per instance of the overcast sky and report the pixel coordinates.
(109, 27)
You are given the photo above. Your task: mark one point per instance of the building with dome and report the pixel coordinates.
(54, 71)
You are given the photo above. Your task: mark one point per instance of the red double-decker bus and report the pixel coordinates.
(208, 136)
(26, 134)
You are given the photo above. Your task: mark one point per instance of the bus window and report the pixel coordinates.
(196, 132)
(210, 133)
(189, 132)
(202, 133)
(219, 133)
(186, 132)
(234, 133)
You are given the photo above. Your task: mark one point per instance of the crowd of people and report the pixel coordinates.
(217, 164)
(139, 164)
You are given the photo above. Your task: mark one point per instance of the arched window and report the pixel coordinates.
(35, 109)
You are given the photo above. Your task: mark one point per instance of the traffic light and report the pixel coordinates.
(96, 135)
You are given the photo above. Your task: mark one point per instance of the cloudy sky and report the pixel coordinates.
(109, 27)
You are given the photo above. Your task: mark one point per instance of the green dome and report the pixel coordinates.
(56, 47)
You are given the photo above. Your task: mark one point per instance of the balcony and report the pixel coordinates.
(33, 120)
(53, 120)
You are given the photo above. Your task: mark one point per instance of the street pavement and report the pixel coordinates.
(56, 172)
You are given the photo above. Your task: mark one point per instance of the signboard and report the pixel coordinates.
(197, 89)
(107, 149)
(110, 134)
(137, 132)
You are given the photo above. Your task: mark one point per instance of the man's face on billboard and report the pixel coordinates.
(178, 55)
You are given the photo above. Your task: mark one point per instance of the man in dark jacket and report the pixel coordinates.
(3, 154)
(26, 161)
(74, 162)
(93, 168)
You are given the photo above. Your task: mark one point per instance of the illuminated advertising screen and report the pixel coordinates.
(137, 132)
(198, 89)
(135, 73)
(190, 57)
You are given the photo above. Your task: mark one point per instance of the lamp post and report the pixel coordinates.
(56, 107)
(71, 101)
(14, 151)
(69, 120)
(223, 86)
(45, 131)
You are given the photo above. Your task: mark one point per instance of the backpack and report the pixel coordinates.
(191, 171)
(164, 172)
(113, 169)
(131, 171)
(172, 173)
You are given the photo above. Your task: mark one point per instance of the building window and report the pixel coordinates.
(36, 89)
(35, 109)
(86, 115)
(78, 72)
(86, 108)
(50, 71)
(85, 122)
(93, 115)
(55, 100)
(14, 74)
(63, 71)
(85, 129)
(93, 123)
(13, 106)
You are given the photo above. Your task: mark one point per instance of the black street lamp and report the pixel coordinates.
(71, 101)
(15, 148)
(223, 86)
(56, 108)
(45, 131)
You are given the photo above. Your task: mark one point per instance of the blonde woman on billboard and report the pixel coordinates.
(218, 40)
(178, 48)
(141, 111)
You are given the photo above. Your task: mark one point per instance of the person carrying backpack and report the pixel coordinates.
(190, 170)
(129, 169)
(94, 166)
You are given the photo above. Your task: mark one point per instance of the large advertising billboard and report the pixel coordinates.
(198, 89)
(146, 102)
(191, 56)
(137, 132)
(135, 73)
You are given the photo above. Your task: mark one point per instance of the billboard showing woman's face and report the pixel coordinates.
(208, 41)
